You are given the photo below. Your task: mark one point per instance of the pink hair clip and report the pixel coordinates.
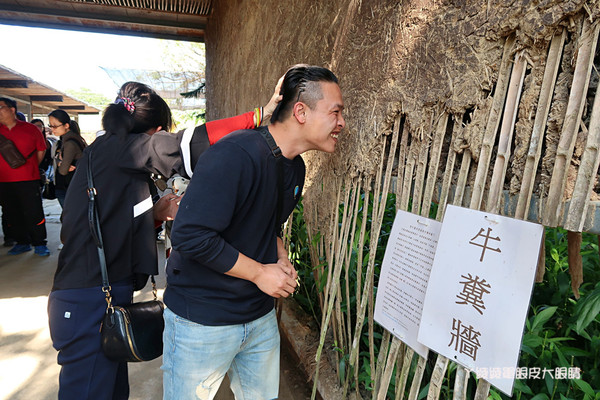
(127, 103)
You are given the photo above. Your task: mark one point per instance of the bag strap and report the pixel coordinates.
(276, 151)
(94, 223)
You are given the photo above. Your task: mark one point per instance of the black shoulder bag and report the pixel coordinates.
(128, 333)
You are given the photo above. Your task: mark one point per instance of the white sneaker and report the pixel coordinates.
(60, 246)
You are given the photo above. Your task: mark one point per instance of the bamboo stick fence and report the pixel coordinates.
(432, 166)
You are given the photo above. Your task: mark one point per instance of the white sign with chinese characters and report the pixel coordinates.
(404, 275)
(479, 290)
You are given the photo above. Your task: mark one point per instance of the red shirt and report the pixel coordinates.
(221, 127)
(29, 140)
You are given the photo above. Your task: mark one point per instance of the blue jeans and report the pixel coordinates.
(196, 358)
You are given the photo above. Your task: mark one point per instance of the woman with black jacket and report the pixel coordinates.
(136, 144)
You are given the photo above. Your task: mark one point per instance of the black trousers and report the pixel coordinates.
(22, 207)
(75, 316)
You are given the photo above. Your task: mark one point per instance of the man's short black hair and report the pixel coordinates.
(301, 83)
(9, 102)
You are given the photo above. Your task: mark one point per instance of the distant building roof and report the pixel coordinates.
(42, 98)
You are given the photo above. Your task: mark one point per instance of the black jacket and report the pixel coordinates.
(121, 170)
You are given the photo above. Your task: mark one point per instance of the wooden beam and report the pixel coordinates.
(46, 98)
(13, 83)
(71, 107)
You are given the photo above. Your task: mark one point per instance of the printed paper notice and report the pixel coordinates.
(404, 275)
(478, 293)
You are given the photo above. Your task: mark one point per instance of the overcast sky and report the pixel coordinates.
(68, 60)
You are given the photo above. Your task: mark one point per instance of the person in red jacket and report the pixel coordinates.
(20, 187)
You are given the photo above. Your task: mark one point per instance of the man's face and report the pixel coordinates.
(325, 120)
(7, 114)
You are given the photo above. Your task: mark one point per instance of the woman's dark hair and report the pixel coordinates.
(137, 109)
(35, 120)
(301, 83)
(64, 118)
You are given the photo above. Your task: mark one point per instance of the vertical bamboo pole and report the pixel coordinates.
(361, 310)
(329, 298)
(361, 243)
(539, 125)
(575, 105)
(331, 251)
(330, 247)
(406, 362)
(401, 164)
(399, 366)
(541, 266)
(335, 218)
(381, 212)
(356, 200)
(460, 384)
(587, 174)
(382, 358)
(424, 210)
(511, 109)
(463, 174)
(437, 378)
(369, 278)
(315, 251)
(378, 212)
(408, 174)
(492, 125)
(389, 368)
(340, 247)
(417, 379)
(341, 253)
(390, 165)
(361, 240)
(434, 162)
(421, 168)
(483, 389)
(449, 170)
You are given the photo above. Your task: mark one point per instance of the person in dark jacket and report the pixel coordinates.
(228, 263)
(135, 145)
(69, 150)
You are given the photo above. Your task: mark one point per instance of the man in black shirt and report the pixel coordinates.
(228, 263)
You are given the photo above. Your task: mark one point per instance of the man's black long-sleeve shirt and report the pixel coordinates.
(229, 207)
